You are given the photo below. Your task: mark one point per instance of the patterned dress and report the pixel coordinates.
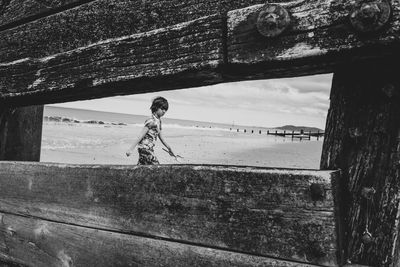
(146, 145)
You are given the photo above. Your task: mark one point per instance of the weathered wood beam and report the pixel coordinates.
(288, 214)
(186, 54)
(102, 20)
(17, 12)
(204, 51)
(86, 24)
(318, 39)
(138, 16)
(362, 138)
(21, 133)
(36, 242)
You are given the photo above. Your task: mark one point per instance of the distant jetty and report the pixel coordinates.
(299, 128)
(302, 134)
(295, 132)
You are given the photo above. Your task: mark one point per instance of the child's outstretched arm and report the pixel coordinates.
(165, 144)
(138, 139)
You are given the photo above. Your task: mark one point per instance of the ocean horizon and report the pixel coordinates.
(113, 117)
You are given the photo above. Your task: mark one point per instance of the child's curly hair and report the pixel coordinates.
(159, 102)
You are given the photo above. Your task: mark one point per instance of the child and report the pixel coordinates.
(148, 136)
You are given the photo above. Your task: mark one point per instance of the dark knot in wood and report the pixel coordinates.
(370, 16)
(355, 133)
(10, 231)
(389, 90)
(367, 238)
(3, 5)
(317, 192)
(272, 20)
(368, 192)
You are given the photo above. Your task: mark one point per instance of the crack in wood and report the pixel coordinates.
(149, 236)
(3, 5)
(49, 12)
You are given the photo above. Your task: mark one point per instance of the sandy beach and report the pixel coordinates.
(82, 143)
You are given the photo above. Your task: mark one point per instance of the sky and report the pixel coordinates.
(300, 101)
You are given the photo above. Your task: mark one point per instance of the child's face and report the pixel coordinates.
(160, 112)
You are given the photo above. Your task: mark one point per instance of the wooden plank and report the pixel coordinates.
(254, 210)
(319, 39)
(362, 138)
(42, 243)
(182, 55)
(21, 133)
(137, 16)
(33, 74)
(86, 24)
(15, 12)
(101, 20)
(6, 263)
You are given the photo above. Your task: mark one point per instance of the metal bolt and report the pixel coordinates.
(368, 192)
(389, 90)
(367, 238)
(10, 231)
(317, 192)
(371, 16)
(272, 20)
(355, 132)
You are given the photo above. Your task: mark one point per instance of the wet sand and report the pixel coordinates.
(81, 143)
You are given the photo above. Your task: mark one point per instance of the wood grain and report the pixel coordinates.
(17, 12)
(105, 19)
(318, 40)
(254, 210)
(102, 20)
(362, 138)
(60, 64)
(181, 55)
(34, 242)
(21, 133)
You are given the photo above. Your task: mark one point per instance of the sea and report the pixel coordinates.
(111, 117)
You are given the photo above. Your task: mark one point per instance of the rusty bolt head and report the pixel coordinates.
(371, 16)
(389, 90)
(355, 132)
(369, 12)
(368, 192)
(317, 192)
(367, 238)
(272, 20)
(10, 231)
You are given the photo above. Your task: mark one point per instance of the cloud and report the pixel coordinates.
(306, 95)
(315, 83)
(303, 98)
